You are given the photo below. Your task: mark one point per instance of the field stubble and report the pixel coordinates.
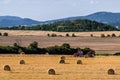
(37, 66)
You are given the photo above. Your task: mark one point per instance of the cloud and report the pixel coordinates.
(94, 2)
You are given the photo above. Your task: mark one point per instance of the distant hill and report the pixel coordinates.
(105, 17)
(102, 17)
(78, 25)
(7, 21)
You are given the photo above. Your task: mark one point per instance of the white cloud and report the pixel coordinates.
(94, 2)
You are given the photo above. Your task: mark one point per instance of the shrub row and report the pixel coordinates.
(55, 35)
(108, 35)
(33, 48)
(73, 35)
(4, 34)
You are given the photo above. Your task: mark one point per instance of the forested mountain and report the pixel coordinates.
(78, 25)
(102, 17)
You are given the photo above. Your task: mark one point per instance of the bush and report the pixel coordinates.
(102, 35)
(108, 35)
(34, 45)
(73, 35)
(117, 54)
(64, 49)
(113, 35)
(8, 49)
(5, 34)
(86, 50)
(0, 34)
(91, 35)
(65, 45)
(53, 35)
(67, 35)
(48, 35)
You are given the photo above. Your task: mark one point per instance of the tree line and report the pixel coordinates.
(33, 48)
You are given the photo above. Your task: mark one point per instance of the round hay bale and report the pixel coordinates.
(79, 62)
(51, 72)
(22, 62)
(62, 62)
(63, 57)
(111, 72)
(7, 68)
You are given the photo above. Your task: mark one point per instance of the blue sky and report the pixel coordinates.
(54, 9)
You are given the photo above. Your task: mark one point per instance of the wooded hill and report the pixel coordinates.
(78, 25)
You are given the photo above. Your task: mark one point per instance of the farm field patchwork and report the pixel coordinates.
(100, 45)
(36, 67)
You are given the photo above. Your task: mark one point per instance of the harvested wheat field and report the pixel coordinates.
(37, 66)
(44, 33)
(100, 45)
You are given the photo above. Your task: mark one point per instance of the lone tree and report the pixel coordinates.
(48, 35)
(91, 35)
(34, 45)
(5, 34)
(67, 35)
(65, 45)
(73, 35)
(113, 35)
(102, 35)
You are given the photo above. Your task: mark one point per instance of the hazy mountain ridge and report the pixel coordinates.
(102, 17)
(6, 21)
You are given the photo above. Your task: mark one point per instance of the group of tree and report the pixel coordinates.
(108, 35)
(78, 25)
(4, 34)
(55, 35)
(34, 49)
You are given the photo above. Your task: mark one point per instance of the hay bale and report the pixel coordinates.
(62, 57)
(22, 62)
(79, 62)
(62, 62)
(7, 68)
(111, 72)
(51, 72)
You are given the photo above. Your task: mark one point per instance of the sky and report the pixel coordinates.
(43, 10)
